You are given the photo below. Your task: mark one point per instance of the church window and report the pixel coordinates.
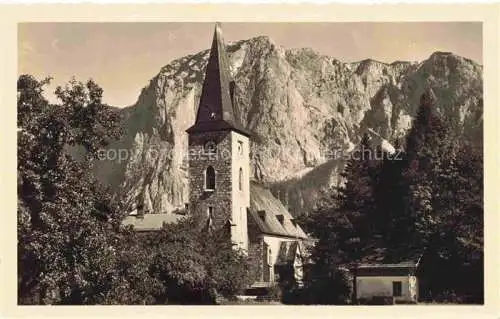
(210, 178)
(210, 147)
(240, 148)
(240, 179)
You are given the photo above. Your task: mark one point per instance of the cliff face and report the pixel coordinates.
(305, 109)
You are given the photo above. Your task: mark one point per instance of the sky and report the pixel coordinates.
(123, 57)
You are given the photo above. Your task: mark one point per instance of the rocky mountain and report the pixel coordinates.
(306, 109)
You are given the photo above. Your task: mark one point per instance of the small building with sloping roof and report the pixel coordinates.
(380, 276)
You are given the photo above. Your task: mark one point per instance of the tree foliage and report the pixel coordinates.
(65, 219)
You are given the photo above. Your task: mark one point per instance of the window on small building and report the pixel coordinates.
(397, 288)
(210, 178)
(240, 179)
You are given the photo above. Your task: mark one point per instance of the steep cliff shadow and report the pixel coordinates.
(134, 119)
(300, 194)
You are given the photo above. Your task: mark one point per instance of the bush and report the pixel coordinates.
(275, 293)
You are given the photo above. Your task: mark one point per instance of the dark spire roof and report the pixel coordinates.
(216, 110)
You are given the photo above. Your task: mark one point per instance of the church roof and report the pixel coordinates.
(216, 110)
(150, 222)
(270, 215)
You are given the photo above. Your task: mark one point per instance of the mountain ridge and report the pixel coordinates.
(301, 105)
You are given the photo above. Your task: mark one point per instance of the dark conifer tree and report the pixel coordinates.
(343, 224)
(427, 145)
(392, 220)
(444, 178)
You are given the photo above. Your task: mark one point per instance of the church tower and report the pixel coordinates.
(219, 160)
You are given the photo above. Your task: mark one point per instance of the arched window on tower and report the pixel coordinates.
(210, 178)
(240, 179)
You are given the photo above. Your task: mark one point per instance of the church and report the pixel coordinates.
(221, 193)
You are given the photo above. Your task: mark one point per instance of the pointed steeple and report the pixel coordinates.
(216, 110)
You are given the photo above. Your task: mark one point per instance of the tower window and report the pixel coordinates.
(240, 179)
(240, 148)
(210, 178)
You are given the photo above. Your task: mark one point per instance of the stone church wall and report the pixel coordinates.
(199, 198)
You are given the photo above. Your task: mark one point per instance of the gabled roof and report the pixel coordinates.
(216, 110)
(264, 210)
(150, 222)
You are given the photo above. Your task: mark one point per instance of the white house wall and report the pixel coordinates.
(369, 286)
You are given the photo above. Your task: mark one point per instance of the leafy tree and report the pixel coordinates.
(66, 221)
(195, 267)
(133, 282)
